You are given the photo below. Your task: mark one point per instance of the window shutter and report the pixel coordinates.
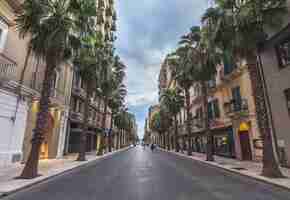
(216, 108)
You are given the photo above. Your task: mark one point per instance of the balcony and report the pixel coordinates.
(233, 73)
(76, 116)
(238, 108)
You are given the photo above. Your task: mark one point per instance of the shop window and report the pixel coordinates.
(283, 53)
(287, 96)
(3, 34)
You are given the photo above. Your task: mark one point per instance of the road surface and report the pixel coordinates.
(139, 174)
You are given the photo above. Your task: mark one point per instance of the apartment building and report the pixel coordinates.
(274, 60)
(18, 112)
(231, 112)
(105, 25)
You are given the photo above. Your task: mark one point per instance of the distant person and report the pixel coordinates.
(152, 147)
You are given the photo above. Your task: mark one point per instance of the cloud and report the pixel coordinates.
(147, 31)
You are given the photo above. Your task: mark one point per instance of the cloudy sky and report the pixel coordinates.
(147, 31)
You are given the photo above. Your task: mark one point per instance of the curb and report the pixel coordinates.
(67, 171)
(233, 171)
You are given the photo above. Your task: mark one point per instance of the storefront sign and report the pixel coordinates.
(244, 127)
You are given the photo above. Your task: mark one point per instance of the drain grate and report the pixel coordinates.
(239, 168)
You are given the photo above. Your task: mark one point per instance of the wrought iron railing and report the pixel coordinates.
(236, 106)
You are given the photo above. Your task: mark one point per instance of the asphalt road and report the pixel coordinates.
(139, 174)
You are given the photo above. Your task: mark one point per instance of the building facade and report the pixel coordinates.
(274, 59)
(231, 112)
(105, 25)
(19, 115)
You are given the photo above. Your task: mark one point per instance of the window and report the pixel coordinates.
(287, 96)
(237, 99)
(283, 53)
(213, 109)
(3, 34)
(199, 113)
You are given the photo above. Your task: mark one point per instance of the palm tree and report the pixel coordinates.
(184, 66)
(116, 101)
(50, 24)
(107, 86)
(196, 62)
(172, 101)
(246, 30)
(160, 123)
(88, 69)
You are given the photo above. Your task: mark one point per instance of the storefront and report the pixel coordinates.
(223, 142)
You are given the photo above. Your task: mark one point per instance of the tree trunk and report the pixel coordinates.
(110, 133)
(188, 121)
(176, 134)
(270, 165)
(31, 167)
(102, 138)
(85, 126)
(209, 145)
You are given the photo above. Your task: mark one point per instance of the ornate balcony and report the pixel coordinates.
(237, 108)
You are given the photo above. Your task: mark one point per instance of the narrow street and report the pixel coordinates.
(139, 174)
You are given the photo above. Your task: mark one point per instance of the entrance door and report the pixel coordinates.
(245, 145)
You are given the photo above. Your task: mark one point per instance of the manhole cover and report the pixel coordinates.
(239, 168)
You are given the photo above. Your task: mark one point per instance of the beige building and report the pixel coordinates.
(19, 114)
(106, 26)
(275, 62)
(231, 112)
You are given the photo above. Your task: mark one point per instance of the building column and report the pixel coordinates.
(62, 134)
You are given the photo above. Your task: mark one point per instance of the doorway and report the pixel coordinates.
(245, 145)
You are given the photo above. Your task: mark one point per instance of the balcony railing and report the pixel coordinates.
(240, 107)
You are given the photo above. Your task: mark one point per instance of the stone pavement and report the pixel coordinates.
(47, 169)
(246, 168)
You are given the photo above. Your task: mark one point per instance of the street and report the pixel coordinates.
(139, 174)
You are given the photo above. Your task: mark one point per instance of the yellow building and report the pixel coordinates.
(232, 115)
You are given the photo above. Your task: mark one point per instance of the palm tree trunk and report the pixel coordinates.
(209, 145)
(31, 167)
(270, 165)
(102, 138)
(188, 121)
(85, 125)
(110, 133)
(176, 134)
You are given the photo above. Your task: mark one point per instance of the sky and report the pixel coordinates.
(147, 31)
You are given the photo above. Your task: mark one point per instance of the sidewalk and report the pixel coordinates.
(246, 168)
(47, 169)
